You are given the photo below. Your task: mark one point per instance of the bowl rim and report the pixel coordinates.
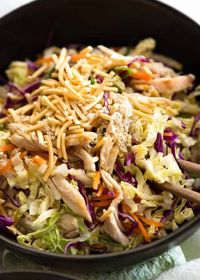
(143, 248)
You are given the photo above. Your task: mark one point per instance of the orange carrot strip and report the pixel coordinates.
(150, 222)
(100, 190)
(102, 197)
(46, 59)
(6, 168)
(140, 225)
(76, 57)
(103, 203)
(141, 228)
(141, 76)
(96, 180)
(7, 148)
(38, 160)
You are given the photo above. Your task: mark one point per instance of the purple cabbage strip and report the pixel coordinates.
(169, 212)
(5, 222)
(128, 217)
(99, 79)
(89, 206)
(14, 201)
(108, 193)
(138, 59)
(170, 140)
(129, 159)
(196, 120)
(71, 244)
(31, 65)
(12, 87)
(106, 96)
(183, 125)
(31, 87)
(158, 145)
(134, 141)
(124, 176)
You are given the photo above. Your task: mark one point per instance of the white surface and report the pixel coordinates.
(191, 247)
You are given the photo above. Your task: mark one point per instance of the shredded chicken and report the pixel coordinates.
(27, 141)
(111, 228)
(72, 197)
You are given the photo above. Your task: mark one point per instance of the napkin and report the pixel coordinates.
(144, 271)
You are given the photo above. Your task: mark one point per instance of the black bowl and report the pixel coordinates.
(29, 29)
(33, 275)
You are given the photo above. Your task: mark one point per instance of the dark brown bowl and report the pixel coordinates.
(28, 30)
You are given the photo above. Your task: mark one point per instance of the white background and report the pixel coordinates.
(189, 7)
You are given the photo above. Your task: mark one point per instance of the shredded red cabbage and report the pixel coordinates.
(170, 138)
(158, 145)
(106, 96)
(31, 87)
(138, 59)
(14, 201)
(134, 141)
(17, 90)
(77, 245)
(31, 65)
(5, 222)
(99, 79)
(169, 212)
(129, 159)
(183, 125)
(194, 131)
(108, 193)
(124, 176)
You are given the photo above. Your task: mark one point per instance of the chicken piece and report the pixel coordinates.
(80, 139)
(69, 226)
(105, 152)
(72, 197)
(168, 86)
(111, 228)
(27, 142)
(111, 184)
(161, 70)
(80, 175)
(87, 159)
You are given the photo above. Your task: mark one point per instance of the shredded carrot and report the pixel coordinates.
(100, 190)
(103, 203)
(7, 148)
(168, 134)
(81, 54)
(96, 180)
(46, 59)
(103, 197)
(140, 225)
(76, 57)
(38, 160)
(150, 222)
(6, 168)
(141, 76)
(141, 228)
